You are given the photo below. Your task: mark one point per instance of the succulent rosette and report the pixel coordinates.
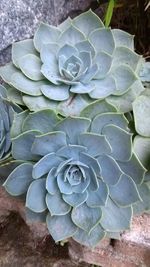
(79, 171)
(7, 110)
(69, 66)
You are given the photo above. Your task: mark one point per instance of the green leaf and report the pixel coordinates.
(56, 205)
(89, 239)
(115, 218)
(34, 71)
(19, 180)
(35, 199)
(109, 12)
(87, 18)
(22, 48)
(120, 142)
(45, 34)
(125, 192)
(57, 227)
(85, 217)
(141, 110)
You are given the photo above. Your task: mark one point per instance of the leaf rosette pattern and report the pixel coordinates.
(80, 172)
(69, 66)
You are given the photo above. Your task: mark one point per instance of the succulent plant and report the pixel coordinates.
(141, 112)
(69, 66)
(7, 110)
(79, 171)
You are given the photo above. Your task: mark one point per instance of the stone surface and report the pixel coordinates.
(20, 18)
(133, 250)
(25, 244)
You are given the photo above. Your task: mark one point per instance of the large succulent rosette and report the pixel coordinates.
(79, 171)
(67, 67)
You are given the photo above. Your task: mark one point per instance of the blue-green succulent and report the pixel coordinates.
(81, 172)
(7, 110)
(69, 66)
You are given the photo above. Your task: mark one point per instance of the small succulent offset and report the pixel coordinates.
(79, 171)
(7, 110)
(67, 67)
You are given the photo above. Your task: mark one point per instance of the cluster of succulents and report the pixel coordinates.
(76, 156)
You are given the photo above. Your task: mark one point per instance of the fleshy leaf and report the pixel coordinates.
(142, 149)
(7, 71)
(101, 120)
(42, 120)
(99, 197)
(21, 146)
(71, 151)
(48, 143)
(89, 239)
(123, 38)
(104, 62)
(25, 85)
(103, 88)
(73, 127)
(45, 34)
(141, 110)
(45, 164)
(98, 107)
(96, 144)
(133, 168)
(143, 205)
(75, 199)
(102, 40)
(110, 170)
(38, 103)
(57, 226)
(16, 128)
(56, 205)
(124, 77)
(22, 48)
(71, 36)
(19, 180)
(115, 218)
(51, 182)
(125, 192)
(48, 52)
(35, 199)
(57, 93)
(86, 218)
(88, 18)
(120, 141)
(34, 71)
